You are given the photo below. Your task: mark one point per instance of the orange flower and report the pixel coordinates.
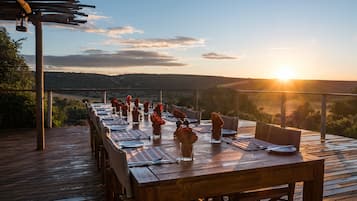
(156, 119)
(217, 124)
(186, 136)
(146, 106)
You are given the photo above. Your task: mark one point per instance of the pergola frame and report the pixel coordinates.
(66, 12)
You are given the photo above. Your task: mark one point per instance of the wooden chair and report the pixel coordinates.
(277, 135)
(193, 114)
(280, 136)
(117, 175)
(230, 123)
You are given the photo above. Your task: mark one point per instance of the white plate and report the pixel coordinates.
(226, 132)
(282, 149)
(131, 144)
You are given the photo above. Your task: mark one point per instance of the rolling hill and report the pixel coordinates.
(57, 80)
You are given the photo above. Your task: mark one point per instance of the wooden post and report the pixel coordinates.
(105, 97)
(283, 110)
(197, 97)
(39, 84)
(161, 96)
(323, 117)
(49, 109)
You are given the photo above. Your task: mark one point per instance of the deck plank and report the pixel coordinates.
(66, 170)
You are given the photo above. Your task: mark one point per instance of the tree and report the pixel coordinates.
(14, 72)
(16, 109)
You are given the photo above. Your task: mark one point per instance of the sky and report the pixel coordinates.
(299, 39)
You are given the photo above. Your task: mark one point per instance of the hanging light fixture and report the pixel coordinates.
(21, 22)
(21, 18)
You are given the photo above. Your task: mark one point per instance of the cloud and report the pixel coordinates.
(96, 58)
(213, 55)
(176, 42)
(94, 51)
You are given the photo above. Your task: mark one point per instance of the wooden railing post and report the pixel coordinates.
(323, 117)
(105, 97)
(40, 123)
(161, 96)
(283, 110)
(49, 109)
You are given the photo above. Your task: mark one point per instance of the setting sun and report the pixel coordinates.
(284, 73)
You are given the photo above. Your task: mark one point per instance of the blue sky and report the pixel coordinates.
(302, 39)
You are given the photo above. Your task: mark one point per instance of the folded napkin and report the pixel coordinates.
(247, 144)
(127, 135)
(148, 156)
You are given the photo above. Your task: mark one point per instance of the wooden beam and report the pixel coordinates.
(40, 127)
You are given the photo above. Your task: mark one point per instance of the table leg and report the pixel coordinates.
(313, 190)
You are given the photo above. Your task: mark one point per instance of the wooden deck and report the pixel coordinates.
(66, 170)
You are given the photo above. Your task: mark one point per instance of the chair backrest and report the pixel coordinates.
(230, 123)
(175, 107)
(118, 162)
(276, 135)
(193, 114)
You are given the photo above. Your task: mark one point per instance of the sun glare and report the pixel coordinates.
(284, 74)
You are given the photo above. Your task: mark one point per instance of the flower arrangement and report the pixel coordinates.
(186, 137)
(158, 109)
(124, 110)
(136, 102)
(114, 102)
(146, 107)
(217, 124)
(157, 121)
(179, 114)
(128, 100)
(135, 114)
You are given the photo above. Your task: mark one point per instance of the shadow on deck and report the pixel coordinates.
(66, 170)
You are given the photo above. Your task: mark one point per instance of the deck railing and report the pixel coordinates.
(283, 99)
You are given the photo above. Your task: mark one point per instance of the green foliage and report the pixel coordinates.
(305, 117)
(342, 119)
(14, 73)
(225, 101)
(16, 109)
(68, 112)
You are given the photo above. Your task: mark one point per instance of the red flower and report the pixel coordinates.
(156, 119)
(158, 109)
(217, 124)
(114, 102)
(186, 136)
(124, 110)
(135, 114)
(146, 106)
(128, 99)
(136, 103)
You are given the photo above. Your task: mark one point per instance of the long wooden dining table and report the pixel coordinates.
(220, 169)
